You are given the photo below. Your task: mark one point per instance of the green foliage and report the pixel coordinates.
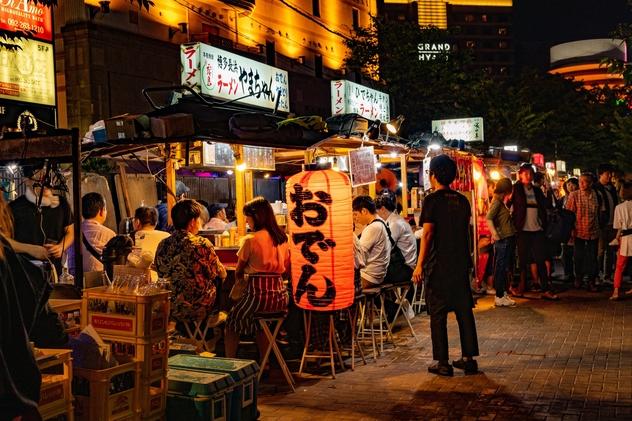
(622, 131)
(99, 166)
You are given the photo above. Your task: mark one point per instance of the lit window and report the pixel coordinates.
(469, 18)
(502, 31)
(483, 18)
(503, 44)
(470, 44)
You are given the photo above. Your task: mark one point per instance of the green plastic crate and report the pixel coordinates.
(243, 406)
(199, 396)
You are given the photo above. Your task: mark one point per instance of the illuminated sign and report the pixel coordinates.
(466, 129)
(348, 97)
(28, 75)
(429, 51)
(25, 15)
(228, 76)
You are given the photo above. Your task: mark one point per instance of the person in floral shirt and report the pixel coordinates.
(190, 263)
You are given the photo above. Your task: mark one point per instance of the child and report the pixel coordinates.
(623, 223)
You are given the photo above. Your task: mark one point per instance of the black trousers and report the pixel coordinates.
(467, 332)
(586, 259)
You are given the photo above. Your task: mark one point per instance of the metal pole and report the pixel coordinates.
(76, 204)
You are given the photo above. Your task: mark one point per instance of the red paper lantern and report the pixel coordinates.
(320, 225)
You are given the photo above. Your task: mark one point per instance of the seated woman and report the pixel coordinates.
(146, 236)
(263, 257)
(191, 264)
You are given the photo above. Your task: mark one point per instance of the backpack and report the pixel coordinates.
(396, 272)
(560, 224)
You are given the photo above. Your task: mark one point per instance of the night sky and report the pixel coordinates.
(539, 24)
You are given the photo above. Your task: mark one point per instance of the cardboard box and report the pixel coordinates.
(174, 125)
(128, 126)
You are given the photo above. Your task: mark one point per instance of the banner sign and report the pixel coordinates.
(348, 97)
(221, 155)
(220, 74)
(24, 15)
(467, 129)
(362, 166)
(28, 75)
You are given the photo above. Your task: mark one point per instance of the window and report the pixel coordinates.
(470, 44)
(316, 8)
(469, 18)
(502, 31)
(270, 53)
(483, 18)
(318, 66)
(503, 44)
(355, 18)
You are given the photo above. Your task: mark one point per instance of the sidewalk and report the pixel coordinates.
(566, 360)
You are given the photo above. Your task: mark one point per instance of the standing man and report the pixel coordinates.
(373, 248)
(445, 264)
(609, 199)
(94, 235)
(585, 204)
(529, 217)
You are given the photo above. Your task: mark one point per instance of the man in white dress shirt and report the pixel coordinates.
(373, 248)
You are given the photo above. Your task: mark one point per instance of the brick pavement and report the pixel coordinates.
(542, 360)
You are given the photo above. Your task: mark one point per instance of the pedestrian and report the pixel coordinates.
(373, 248)
(570, 185)
(623, 224)
(445, 265)
(529, 217)
(585, 204)
(504, 237)
(609, 199)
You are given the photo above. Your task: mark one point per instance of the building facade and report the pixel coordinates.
(108, 51)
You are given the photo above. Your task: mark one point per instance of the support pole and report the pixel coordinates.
(170, 178)
(76, 204)
(240, 189)
(249, 185)
(404, 176)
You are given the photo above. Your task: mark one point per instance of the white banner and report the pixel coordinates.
(348, 97)
(467, 129)
(228, 76)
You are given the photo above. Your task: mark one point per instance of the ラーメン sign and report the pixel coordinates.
(348, 97)
(427, 51)
(28, 75)
(25, 15)
(466, 129)
(228, 76)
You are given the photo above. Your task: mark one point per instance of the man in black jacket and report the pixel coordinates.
(608, 199)
(529, 217)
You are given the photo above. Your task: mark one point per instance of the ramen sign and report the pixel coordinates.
(24, 15)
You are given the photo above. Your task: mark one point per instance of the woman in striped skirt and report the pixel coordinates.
(264, 257)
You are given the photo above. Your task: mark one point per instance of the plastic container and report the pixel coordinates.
(55, 391)
(151, 354)
(197, 396)
(140, 316)
(153, 397)
(243, 402)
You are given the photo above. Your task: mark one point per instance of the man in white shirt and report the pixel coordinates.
(94, 234)
(374, 248)
(219, 220)
(146, 237)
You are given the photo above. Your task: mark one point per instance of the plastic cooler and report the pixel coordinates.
(243, 402)
(197, 395)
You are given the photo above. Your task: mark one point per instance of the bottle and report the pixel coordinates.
(225, 239)
(66, 278)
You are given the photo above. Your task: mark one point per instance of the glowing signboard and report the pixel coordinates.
(427, 51)
(348, 97)
(25, 15)
(466, 129)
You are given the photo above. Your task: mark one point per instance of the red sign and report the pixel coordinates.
(112, 323)
(25, 15)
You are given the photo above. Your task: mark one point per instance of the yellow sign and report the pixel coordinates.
(28, 75)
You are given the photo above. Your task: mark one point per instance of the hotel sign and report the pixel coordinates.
(28, 75)
(228, 76)
(25, 15)
(348, 97)
(427, 51)
(467, 129)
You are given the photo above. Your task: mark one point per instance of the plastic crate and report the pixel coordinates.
(198, 396)
(152, 353)
(243, 405)
(63, 413)
(56, 368)
(138, 316)
(153, 397)
(110, 394)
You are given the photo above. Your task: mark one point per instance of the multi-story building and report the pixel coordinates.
(108, 50)
(483, 27)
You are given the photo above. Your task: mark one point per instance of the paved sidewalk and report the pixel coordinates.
(566, 360)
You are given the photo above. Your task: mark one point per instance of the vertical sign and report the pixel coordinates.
(348, 97)
(362, 166)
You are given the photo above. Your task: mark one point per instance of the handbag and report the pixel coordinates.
(238, 290)
(396, 272)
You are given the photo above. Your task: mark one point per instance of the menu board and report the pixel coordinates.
(362, 166)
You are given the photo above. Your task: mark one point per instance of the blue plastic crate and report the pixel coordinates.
(199, 396)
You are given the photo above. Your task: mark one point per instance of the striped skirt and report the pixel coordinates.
(265, 293)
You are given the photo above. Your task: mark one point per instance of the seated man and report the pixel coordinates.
(190, 263)
(219, 220)
(146, 236)
(373, 247)
(94, 234)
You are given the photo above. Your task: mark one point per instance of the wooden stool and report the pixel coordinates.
(419, 300)
(275, 321)
(399, 292)
(319, 355)
(352, 314)
(367, 315)
(201, 327)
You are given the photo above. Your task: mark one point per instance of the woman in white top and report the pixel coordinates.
(263, 258)
(623, 223)
(146, 237)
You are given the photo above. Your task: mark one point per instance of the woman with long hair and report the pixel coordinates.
(264, 257)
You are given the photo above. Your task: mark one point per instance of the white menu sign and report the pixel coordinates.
(362, 166)
(467, 129)
(228, 76)
(348, 97)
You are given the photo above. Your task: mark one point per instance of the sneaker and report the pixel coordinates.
(441, 369)
(491, 291)
(504, 302)
(506, 297)
(469, 366)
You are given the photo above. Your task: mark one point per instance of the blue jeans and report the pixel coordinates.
(503, 253)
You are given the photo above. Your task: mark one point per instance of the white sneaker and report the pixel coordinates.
(508, 298)
(491, 291)
(504, 302)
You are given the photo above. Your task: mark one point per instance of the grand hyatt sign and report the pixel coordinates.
(429, 51)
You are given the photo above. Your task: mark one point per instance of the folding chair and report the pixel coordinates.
(274, 320)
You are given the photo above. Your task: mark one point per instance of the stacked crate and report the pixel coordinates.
(135, 327)
(55, 392)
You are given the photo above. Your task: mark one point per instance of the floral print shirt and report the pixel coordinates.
(191, 264)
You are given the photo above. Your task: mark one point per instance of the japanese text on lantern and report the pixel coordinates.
(305, 204)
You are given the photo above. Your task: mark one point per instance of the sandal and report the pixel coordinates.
(550, 296)
(515, 292)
